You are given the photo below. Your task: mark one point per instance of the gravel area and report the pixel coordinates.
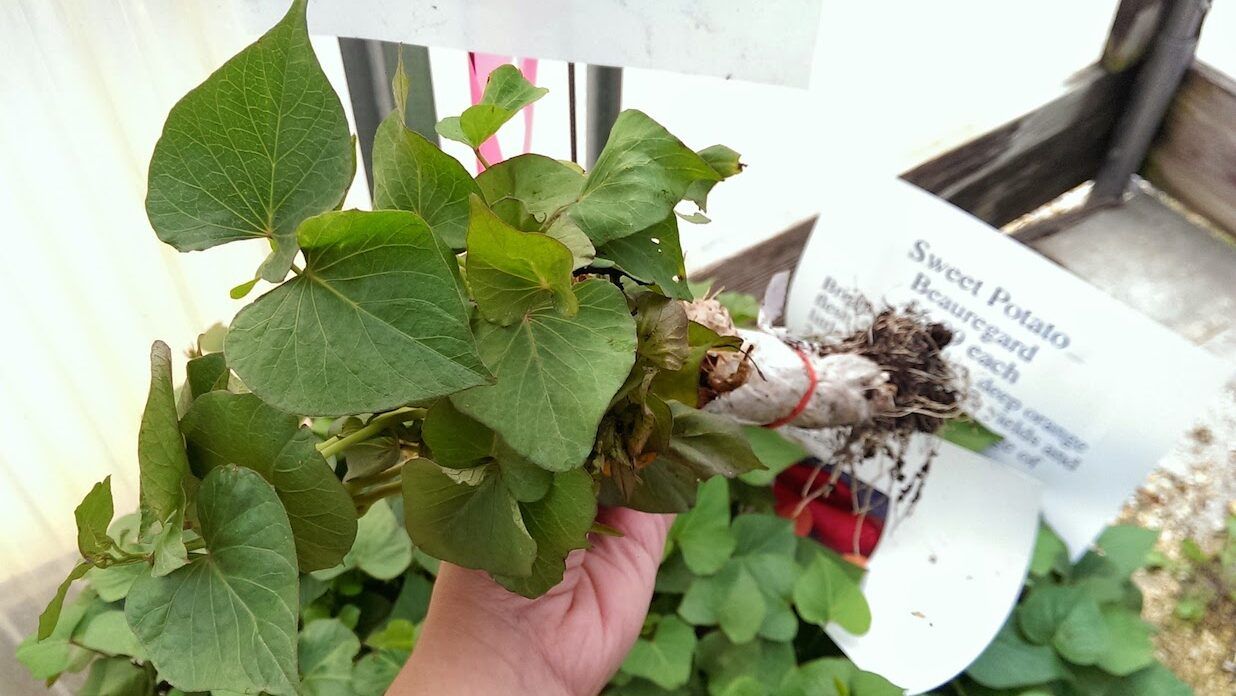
(1189, 497)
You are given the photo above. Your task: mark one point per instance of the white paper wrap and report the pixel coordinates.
(847, 386)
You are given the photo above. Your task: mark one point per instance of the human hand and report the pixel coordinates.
(479, 638)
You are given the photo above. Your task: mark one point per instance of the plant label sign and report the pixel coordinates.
(1087, 394)
(770, 42)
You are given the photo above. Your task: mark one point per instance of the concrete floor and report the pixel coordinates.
(1148, 254)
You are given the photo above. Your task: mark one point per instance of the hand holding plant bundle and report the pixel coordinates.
(503, 352)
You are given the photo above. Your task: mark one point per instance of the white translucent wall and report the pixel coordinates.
(84, 284)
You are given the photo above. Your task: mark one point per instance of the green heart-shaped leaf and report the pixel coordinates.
(725, 662)
(682, 385)
(558, 523)
(1082, 637)
(411, 173)
(320, 510)
(666, 659)
(710, 444)
(257, 148)
(226, 428)
(639, 177)
(1131, 648)
(381, 550)
(731, 599)
(50, 619)
(108, 632)
(661, 328)
(457, 441)
(512, 273)
(654, 255)
(1042, 611)
(228, 619)
(117, 676)
(824, 594)
(377, 320)
(663, 486)
(506, 92)
(1010, 662)
(163, 466)
(326, 649)
(475, 526)
(555, 376)
(526, 189)
(703, 534)
(724, 162)
(1120, 550)
(774, 451)
(762, 559)
(93, 515)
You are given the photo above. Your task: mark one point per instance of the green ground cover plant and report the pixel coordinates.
(1077, 629)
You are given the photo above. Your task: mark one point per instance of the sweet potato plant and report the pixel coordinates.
(502, 351)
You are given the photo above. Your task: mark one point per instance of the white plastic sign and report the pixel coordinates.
(770, 41)
(1087, 393)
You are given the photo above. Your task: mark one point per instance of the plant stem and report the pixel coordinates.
(379, 423)
(479, 156)
(362, 482)
(373, 495)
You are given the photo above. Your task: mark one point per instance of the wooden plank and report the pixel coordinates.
(1028, 162)
(749, 270)
(998, 176)
(1194, 157)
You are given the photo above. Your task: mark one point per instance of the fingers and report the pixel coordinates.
(643, 531)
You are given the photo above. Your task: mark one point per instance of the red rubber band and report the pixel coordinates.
(812, 382)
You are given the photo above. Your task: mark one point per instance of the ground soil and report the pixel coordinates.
(1189, 498)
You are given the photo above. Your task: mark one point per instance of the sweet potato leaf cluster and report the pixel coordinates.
(503, 351)
(739, 608)
(1077, 628)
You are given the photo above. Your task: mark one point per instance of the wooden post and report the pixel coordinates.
(1157, 80)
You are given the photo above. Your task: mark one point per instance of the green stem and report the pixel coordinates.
(337, 444)
(484, 162)
(373, 495)
(553, 217)
(362, 482)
